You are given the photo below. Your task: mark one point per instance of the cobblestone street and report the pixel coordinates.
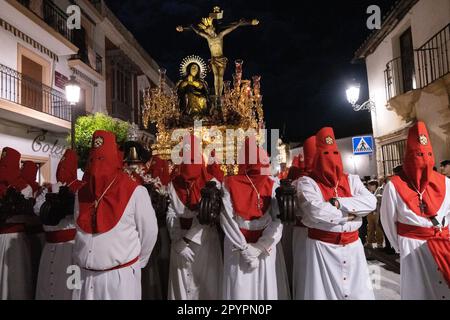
(386, 282)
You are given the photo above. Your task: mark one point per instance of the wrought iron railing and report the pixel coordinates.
(393, 76)
(57, 19)
(53, 16)
(18, 88)
(434, 57)
(84, 56)
(393, 156)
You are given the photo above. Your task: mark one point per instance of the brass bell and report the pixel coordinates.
(133, 156)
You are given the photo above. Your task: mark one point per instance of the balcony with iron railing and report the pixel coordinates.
(432, 62)
(51, 14)
(91, 59)
(433, 58)
(393, 77)
(19, 89)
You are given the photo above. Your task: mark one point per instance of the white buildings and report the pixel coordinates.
(408, 67)
(38, 53)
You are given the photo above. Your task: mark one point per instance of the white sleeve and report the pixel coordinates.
(40, 199)
(388, 215)
(313, 205)
(195, 233)
(272, 234)
(27, 192)
(172, 220)
(298, 211)
(146, 224)
(229, 225)
(361, 203)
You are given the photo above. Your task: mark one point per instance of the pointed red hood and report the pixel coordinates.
(159, 168)
(66, 173)
(29, 172)
(297, 168)
(105, 183)
(10, 171)
(418, 174)
(309, 153)
(214, 168)
(328, 170)
(253, 173)
(192, 175)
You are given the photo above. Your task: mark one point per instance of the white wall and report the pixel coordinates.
(8, 56)
(426, 18)
(18, 137)
(384, 121)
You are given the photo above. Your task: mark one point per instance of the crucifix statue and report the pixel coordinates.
(207, 30)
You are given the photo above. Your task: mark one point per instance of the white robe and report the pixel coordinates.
(202, 279)
(16, 277)
(267, 282)
(150, 277)
(163, 260)
(134, 236)
(420, 278)
(299, 237)
(336, 272)
(36, 239)
(287, 245)
(55, 259)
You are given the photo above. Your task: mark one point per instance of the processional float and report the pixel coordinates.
(234, 105)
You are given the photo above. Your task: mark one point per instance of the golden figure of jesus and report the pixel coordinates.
(207, 30)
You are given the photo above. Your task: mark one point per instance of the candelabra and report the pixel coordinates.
(160, 104)
(243, 101)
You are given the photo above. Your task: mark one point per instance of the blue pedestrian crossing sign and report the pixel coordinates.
(363, 145)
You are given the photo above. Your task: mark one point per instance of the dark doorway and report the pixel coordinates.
(407, 55)
(31, 84)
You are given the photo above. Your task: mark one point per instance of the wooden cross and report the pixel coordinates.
(260, 203)
(422, 206)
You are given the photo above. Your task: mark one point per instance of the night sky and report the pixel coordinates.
(302, 52)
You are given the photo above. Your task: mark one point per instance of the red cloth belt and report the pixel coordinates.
(130, 263)
(299, 223)
(186, 223)
(252, 236)
(437, 240)
(12, 228)
(440, 250)
(421, 233)
(60, 236)
(337, 238)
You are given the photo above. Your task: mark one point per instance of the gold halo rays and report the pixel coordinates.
(193, 59)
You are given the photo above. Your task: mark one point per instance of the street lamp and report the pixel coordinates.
(73, 92)
(353, 97)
